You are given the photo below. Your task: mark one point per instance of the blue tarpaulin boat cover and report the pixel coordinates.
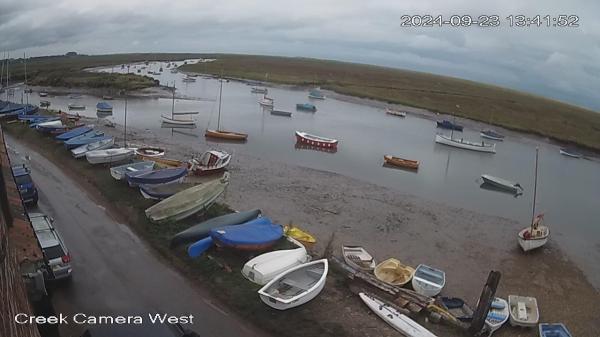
(257, 232)
(103, 106)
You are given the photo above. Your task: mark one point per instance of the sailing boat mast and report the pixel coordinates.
(26, 89)
(220, 94)
(537, 150)
(173, 104)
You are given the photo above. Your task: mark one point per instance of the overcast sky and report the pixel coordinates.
(563, 63)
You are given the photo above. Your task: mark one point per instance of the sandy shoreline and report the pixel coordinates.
(390, 223)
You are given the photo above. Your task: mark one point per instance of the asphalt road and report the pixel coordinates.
(114, 272)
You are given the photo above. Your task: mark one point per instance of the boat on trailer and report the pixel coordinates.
(401, 162)
(313, 140)
(267, 266)
(465, 144)
(394, 318)
(491, 134)
(295, 286)
(502, 183)
(428, 281)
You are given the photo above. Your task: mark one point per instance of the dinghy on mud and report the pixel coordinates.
(267, 266)
(118, 172)
(295, 286)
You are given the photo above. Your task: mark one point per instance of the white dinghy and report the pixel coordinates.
(267, 266)
(394, 318)
(80, 151)
(118, 172)
(295, 286)
(465, 144)
(428, 281)
(109, 155)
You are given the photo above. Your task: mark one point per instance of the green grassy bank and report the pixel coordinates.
(504, 107)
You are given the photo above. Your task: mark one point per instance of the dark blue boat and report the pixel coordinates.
(257, 234)
(86, 138)
(74, 133)
(446, 124)
(554, 330)
(156, 177)
(104, 107)
(8, 107)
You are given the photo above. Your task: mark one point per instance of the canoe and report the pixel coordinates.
(307, 138)
(497, 316)
(161, 176)
(554, 330)
(523, 311)
(150, 151)
(108, 156)
(163, 191)
(394, 318)
(465, 144)
(296, 286)
(281, 113)
(306, 107)
(98, 144)
(446, 124)
(428, 281)
(229, 135)
(393, 272)
(401, 162)
(185, 203)
(255, 235)
(267, 266)
(210, 162)
(296, 233)
(501, 183)
(74, 133)
(358, 258)
(202, 230)
(491, 134)
(570, 153)
(395, 112)
(84, 139)
(118, 172)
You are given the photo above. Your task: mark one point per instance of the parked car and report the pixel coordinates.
(27, 189)
(56, 254)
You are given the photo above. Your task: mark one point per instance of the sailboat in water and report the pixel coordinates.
(536, 235)
(222, 134)
(491, 134)
(173, 120)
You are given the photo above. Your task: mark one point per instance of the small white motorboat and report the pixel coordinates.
(394, 318)
(523, 311)
(497, 316)
(570, 153)
(267, 266)
(295, 286)
(428, 281)
(393, 112)
(176, 121)
(465, 144)
(358, 258)
(118, 172)
(266, 102)
(80, 151)
(109, 155)
(501, 183)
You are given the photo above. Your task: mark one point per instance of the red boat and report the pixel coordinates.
(307, 138)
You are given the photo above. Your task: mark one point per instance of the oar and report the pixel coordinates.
(200, 247)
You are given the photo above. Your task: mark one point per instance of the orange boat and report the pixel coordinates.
(401, 162)
(229, 135)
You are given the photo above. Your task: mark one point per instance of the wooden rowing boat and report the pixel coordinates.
(401, 162)
(229, 135)
(358, 258)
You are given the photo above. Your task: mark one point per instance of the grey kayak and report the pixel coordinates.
(201, 230)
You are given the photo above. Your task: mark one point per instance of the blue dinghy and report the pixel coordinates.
(163, 176)
(554, 330)
(34, 123)
(86, 138)
(257, 234)
(74, 133)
